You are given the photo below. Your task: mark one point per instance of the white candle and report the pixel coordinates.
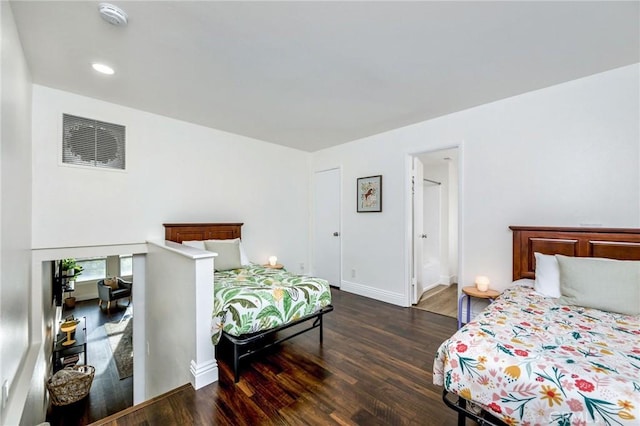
(482, 283)
(273, 260)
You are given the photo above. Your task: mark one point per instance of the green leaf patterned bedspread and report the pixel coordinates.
(255, 298)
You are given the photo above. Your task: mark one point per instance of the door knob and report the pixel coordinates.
(335, 234)
(423, 236)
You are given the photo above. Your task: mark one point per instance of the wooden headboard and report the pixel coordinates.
(180, 232)
(613, 243)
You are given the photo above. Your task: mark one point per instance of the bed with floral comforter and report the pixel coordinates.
(530, 361)
(256, 298)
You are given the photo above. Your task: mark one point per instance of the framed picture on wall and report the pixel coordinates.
(369, 194)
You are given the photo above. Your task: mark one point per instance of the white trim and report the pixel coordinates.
(203, 374)
(186, 251)
(139, 328)
(47, 253)
(447, 279)
(408, 240)
(408, 211)
(204, 368)
(374, 293)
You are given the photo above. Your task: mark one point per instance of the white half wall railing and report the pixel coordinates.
(179, 304)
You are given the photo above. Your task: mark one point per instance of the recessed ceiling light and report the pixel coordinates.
(102, 68)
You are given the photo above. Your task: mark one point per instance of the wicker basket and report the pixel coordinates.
(70, 384)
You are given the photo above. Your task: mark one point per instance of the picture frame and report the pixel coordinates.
(369, 194)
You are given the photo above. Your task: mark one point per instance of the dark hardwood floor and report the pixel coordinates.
(374, 368)
(108, 394)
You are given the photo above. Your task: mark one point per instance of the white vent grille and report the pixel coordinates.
(93, 143)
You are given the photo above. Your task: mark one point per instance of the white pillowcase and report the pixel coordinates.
(228, 254)
(244, 260)
(195, 243)
(605, 284)
(547, 280)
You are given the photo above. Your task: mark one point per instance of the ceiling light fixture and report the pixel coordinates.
(102, 68)
(113, 14)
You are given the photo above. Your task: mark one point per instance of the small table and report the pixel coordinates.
(276, 266)
(469, 292)
(63, 347)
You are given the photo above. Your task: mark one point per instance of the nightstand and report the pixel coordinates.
(276, 266)
(469, 292)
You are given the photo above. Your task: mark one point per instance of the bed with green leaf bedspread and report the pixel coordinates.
(256, 298)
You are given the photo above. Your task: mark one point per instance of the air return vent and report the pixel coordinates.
(93, 143)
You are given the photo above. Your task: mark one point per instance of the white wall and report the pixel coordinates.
(564, 156)
(15, 218)
(176, 172)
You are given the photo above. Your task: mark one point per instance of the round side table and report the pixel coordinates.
(276, 266)
(469, 292)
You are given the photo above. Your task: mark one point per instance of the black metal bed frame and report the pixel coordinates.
(240, 350)
(460, 406)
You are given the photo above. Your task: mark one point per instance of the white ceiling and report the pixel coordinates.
(316, 74)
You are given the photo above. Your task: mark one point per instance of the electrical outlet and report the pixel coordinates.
(301, 267)
(148, 351)
(353, 273)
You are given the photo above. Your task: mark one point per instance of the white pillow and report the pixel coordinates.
(605, 284)
(228, 254)
(244, 260)
(195, 244)
(547, 275)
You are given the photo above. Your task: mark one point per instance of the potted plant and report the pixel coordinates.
(70, 270)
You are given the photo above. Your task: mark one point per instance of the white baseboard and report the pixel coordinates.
(374, 293)
(448, 279)
(203, 374)
(430, 286)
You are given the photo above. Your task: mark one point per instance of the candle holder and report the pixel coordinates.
(482, 283)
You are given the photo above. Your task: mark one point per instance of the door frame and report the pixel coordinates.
(312, 263)
(409, 237)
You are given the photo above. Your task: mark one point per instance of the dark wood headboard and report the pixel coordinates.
(180, 232)
(612, 243)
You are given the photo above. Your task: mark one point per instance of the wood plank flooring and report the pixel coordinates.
(441, 300)
(108, 394)
(374, 368)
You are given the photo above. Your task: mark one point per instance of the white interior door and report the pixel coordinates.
(418, 231)
(327, 262)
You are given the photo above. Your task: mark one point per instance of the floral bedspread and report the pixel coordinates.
(530, 361)
(255, 298)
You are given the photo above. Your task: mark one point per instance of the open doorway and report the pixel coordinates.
(96, 294)
(434, 224)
